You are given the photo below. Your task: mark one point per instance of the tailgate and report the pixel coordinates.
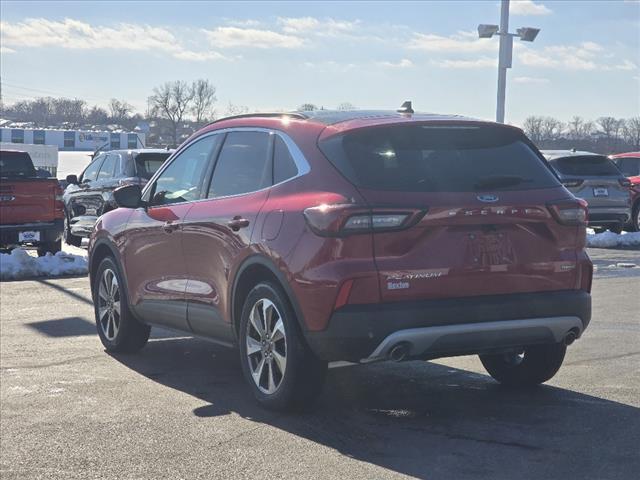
(28, 201)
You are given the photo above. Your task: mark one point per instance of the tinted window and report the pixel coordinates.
(92, 170)
(148, 163)
(16, 164)
(419, 158)
(243, 165)
(283, 165)
(69, 139)
(38, 137)
(132, 140)
(630, 167)
(106, 171)
(17, 136)
(585, 165)
(114, 140)
(182, 180)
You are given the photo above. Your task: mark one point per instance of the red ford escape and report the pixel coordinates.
(312, 237)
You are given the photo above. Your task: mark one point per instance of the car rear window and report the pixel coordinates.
(585, 165)
(427, 158)
(148, 163)
(16, 164)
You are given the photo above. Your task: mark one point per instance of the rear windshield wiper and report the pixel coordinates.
(499, 181)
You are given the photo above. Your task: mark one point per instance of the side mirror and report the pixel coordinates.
(72, 179)
(129, 196)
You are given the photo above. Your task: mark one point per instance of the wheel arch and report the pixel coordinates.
(104, 248)
(253, 270)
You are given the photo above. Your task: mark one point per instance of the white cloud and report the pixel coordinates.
(585, 56)
(77, 35)
(482, 62)
(528, 7)
(404, 63)
(462, 41)
(326, 27)
(4, 50)
(230, 37)
(533, 80)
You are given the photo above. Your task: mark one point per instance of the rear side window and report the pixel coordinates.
(16, 164)
(427, 158)
(284, 167)
(91, 171)
(243, 165)
(148, 163)
(585, 165)
(106, 171)
(629, 167)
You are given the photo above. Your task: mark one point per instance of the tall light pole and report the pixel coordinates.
(526, 34)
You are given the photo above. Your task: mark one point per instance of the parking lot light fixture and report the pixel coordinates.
(526, 34)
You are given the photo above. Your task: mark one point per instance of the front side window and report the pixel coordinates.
(183, 179)
(284, 167)
(243, 165)
(106, 171)
(91, 171)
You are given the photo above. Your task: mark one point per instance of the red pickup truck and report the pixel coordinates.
(31, 208)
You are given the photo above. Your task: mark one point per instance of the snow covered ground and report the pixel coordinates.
(22, 263)
(610, 239)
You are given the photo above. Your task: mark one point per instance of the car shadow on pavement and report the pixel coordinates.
(419, 418)
(65, 327)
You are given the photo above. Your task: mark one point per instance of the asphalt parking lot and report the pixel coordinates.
(179, 409)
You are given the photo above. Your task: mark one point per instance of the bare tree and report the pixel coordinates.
(574, 128)
(551, 129)
(171, 101)
(346, 106)
(70, 111)
(119, 110)
(533, 128)
(235, 110)
(204, 96)
(631, 132)
(307, 107)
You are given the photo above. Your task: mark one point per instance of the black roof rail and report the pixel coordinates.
(298, 115)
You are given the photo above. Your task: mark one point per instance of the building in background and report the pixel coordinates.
(65, 140)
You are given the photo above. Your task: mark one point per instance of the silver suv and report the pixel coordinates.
(596, 179)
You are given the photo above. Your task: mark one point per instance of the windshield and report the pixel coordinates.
(586, 166)
(420, 158)
(16, 164)
(148, 163)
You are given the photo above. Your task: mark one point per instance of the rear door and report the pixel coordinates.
(81, 199)
(487, 229)
(154, 256)
(218, 231)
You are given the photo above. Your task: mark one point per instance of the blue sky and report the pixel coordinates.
(278, 55)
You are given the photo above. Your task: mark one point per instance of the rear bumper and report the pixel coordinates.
(608, 215)
(49, 232)
(440, 328)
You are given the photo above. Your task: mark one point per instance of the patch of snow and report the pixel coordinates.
(610, 239)
(19, 264)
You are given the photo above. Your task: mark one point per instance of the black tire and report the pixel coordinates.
(121, 333)
(51, 247)
(304, 374)
(538, 364)
(616, 228)
(635, 217)
(69, 238)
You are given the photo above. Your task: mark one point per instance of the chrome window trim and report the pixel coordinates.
(298, 157)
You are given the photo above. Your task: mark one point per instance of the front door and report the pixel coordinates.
(154, 255)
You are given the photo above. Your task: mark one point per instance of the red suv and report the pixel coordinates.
(312, 237)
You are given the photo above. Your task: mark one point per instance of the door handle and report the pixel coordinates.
(170, 226)
(237, 223)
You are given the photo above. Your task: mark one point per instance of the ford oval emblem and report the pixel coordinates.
(488, 198)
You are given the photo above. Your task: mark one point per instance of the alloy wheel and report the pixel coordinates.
(109, 304)
(266, 346)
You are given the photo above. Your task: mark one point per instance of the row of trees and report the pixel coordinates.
(604, 135)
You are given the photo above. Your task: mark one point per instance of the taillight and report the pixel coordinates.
(625, 182)
(570, 212)
(346, 219)
(572, 183)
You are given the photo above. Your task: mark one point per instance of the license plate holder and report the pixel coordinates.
(600, 192)
(29, 236)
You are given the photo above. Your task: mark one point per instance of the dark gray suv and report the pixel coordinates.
(90, 195)
(598, 181)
